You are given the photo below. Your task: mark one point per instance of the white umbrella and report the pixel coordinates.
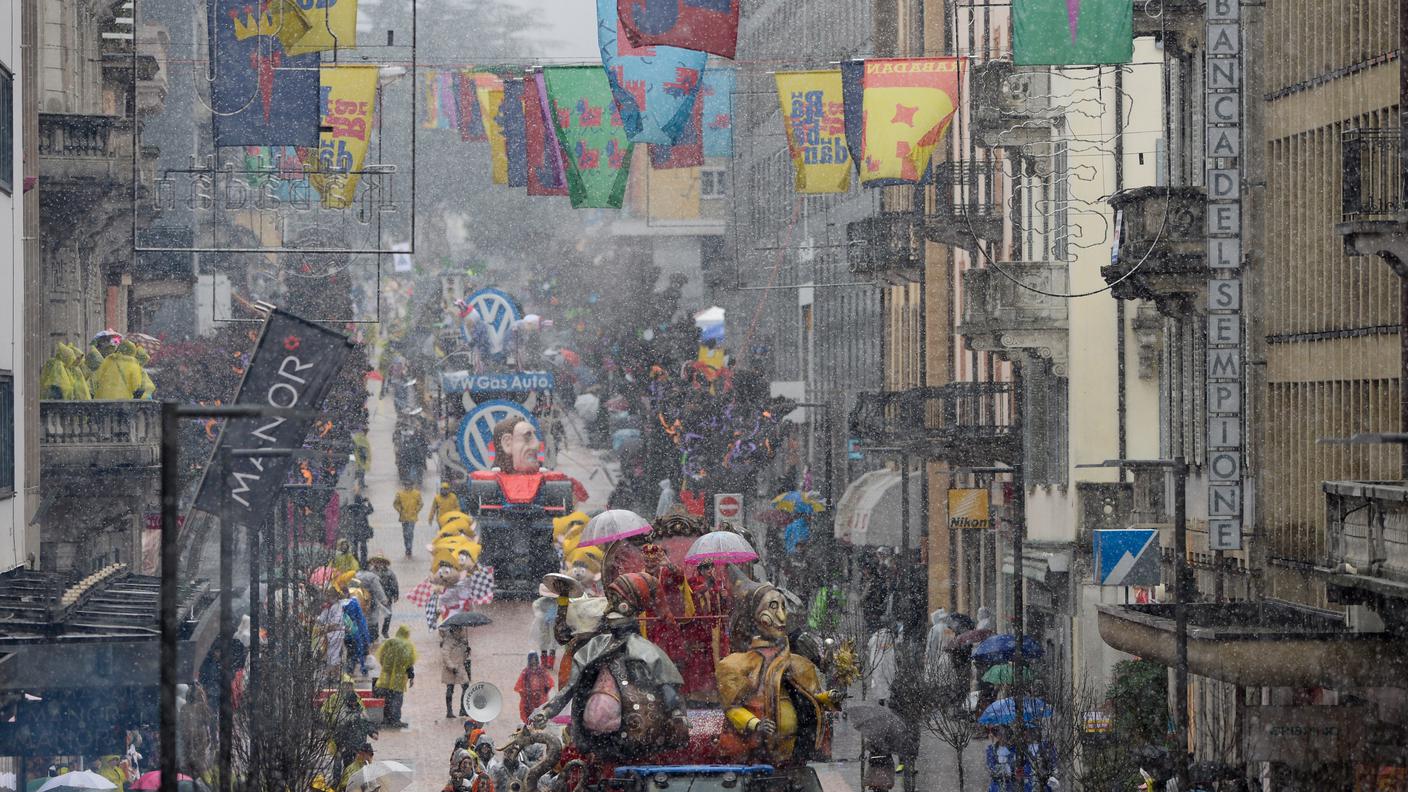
(613, 525)
(725, 547)
(383, 776)
(79, 779)
(587, 406)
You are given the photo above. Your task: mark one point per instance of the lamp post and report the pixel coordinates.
(1181, 595)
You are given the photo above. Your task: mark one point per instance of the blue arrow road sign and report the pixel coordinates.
(1127, 557)
(475, 438)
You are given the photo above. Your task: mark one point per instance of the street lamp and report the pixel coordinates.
(1179, 466)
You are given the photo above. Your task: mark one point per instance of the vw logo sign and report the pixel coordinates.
(475, 438)
(497, 311)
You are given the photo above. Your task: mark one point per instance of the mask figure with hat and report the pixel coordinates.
(772, 698)
(624, 690)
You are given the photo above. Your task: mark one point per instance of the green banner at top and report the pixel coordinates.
(1072, 32)
(595, 152)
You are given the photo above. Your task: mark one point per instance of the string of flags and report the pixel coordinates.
(571, 130)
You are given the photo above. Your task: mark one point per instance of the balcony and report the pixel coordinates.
(1012, 105)
(1366, 526)
(887, 246)
(79, 438)
(964, 209)
(1373, 218)
(966, 423)
(1008, 307)
(1162, 253)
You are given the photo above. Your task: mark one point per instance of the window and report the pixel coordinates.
(713, 183)
(7, 130)
(7, 434)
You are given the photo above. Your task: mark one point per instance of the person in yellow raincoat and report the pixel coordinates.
(92, 359)
(344, 562)
(408, 504)
(120, 375)
(148, 387)
(115, 770)
(55, 379)
(443, 504)
(397, 657)
(73, 361)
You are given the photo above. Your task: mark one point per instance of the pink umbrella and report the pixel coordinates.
(152, 780)
(613, 525)
(725, 547)
(323, 576)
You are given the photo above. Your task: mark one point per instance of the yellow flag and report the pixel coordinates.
(318, 25)
(349, 105)
(908, 106)
(490, 90)
(813, 112)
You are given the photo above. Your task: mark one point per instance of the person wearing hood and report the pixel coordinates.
(397, 657)
(937, 662)
(148, 387)
(882, 663)
(667, 498)
(444, 503)
(120, 376)
(56, 379)
(73, 361)
(92, 359)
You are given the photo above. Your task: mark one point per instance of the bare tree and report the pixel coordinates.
(948, 716)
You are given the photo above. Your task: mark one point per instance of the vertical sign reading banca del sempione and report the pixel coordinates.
(1226, 384)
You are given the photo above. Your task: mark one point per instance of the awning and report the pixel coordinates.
(869, 510)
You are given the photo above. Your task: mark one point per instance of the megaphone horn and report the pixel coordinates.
(482, 701)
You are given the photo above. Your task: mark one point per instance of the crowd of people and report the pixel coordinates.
(112, 369)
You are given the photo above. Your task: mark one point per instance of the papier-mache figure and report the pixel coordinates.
(624, 690)
(772, 698)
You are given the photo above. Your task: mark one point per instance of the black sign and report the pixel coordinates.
(293, 367)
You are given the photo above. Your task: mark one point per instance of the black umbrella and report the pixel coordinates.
(466, 619)
(961, 623)
(883, 730)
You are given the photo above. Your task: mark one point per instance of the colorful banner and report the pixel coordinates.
(349, 102)
(688, 151)
(907, 106)
(447, 99)
(490, 90)
(816, 130)
(654, 87)
(543, 153)
(260, 95)
(515, 137)
(318, 25)
(471, 118)
(705, 25)
(717, 97)
(596, 152)
(1072, 32)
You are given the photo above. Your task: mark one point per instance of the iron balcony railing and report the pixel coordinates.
(965, 205)
(960, 419)
(888, 243)
(1372, 175)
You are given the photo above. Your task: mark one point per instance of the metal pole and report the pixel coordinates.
(1019, 531)
(227, 628)
(251, 671)
(170, 593)
(1180, 615)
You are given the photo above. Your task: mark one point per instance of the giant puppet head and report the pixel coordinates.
(516, 446)
(760, 612)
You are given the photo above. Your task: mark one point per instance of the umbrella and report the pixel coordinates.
(1000, 648)
(1002, 674)
(571, 358)
(109, 336)
(885, 731)
(960, 623)
(323, 576)
(586, 406)
(613, 525)
(1003, 712)
(385, 776)
(798, 502)
(723, 546)
(80, 779)
(152, 780)
(774, 518)
(467, 619)
(972, 637)
(625, 440)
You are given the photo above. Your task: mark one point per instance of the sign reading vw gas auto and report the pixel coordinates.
(497, 312)
(518, 381)
(475, 438)
(1127, 557)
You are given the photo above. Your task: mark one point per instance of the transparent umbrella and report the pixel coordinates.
(79, 779)
(382, 777)
(613, 525)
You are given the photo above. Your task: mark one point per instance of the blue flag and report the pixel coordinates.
(654, 87)
(515, 136)
(260, 95)
(717, 96)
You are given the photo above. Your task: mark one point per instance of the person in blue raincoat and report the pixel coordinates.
(1001, 762)
(356, 635)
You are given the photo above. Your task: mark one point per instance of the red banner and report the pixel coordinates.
(704, 25)
(545, 174)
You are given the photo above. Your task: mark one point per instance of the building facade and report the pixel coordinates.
(14, 439)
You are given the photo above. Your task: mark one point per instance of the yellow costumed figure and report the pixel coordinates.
(773, 699)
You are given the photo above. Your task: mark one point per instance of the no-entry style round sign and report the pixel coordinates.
(728, 506)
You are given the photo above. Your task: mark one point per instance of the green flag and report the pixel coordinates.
(1072, 32)
(595, 151)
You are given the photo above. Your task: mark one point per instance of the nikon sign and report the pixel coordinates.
(1226, 383)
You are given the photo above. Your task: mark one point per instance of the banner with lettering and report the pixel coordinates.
(318, 25)
(717, 98)
(542, 150)
(349, 104)
(596, 152)
(907, 105)
(1072, 32)
(471, 117)
(705, 25)
(813, 118)
(515, 137)
(654, 87)
(293, 367)
(260, 94)
(490, 91)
